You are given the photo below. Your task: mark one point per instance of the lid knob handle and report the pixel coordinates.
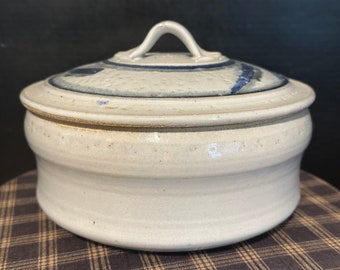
(178, 30)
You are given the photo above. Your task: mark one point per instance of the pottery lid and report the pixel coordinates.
(139, 73)
(164, 89)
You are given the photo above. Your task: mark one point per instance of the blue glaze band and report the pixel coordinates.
(169, 68)
(84, 71)
(247, 74)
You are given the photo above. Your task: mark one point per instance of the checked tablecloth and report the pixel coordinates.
(309, 239)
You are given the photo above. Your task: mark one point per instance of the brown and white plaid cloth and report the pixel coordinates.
(309, 239)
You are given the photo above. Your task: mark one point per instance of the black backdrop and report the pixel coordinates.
(298, 38)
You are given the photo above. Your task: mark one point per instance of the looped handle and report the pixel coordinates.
(166, 27)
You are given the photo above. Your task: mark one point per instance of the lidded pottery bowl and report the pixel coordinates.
(168, 151)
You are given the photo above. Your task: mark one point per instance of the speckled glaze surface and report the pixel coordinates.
(168, 151)
(114, 79)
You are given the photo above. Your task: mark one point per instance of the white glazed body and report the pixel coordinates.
(166, 152)
(169, 189)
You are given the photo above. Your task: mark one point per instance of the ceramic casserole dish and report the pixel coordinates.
(168, 151)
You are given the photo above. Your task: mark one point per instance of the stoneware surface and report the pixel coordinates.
(168, 151)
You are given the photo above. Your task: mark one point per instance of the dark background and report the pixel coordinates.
(298, 38)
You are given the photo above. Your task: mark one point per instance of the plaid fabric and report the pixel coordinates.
(308, 240)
